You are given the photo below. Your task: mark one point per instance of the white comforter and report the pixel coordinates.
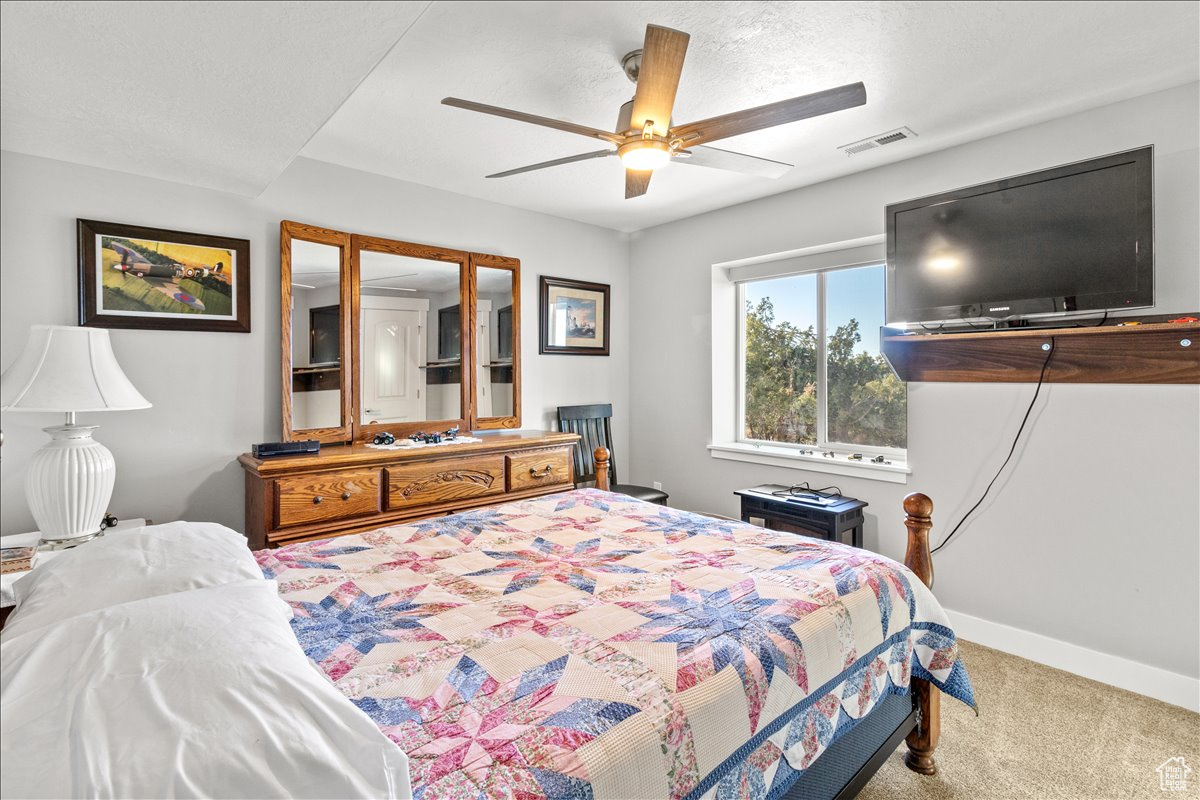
(189, 692)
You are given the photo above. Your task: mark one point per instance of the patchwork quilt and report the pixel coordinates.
(588, 645)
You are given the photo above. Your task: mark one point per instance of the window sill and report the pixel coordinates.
(790, 459)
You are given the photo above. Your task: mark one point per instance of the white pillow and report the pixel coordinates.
(204, 693)
(129, 565)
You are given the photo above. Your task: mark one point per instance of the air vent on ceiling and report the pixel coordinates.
(871, 143)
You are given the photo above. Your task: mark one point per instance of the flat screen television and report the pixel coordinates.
(1078, 237)
(325, 335)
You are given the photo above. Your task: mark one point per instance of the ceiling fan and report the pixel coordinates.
(645, 139)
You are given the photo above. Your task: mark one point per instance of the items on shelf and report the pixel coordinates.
(17, 559)
(1155, 350)
(823, 513)
(387, 441)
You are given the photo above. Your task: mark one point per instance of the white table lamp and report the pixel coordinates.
(70, 480)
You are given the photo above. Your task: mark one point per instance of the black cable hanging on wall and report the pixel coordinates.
(1011, 450)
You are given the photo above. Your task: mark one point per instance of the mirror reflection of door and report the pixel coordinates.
(483, 360)
(316, 335)
(494, 390)
(393, 383)
(403, 378)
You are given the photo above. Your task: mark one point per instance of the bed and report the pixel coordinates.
(584, 645)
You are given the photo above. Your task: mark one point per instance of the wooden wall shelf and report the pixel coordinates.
(1148, 353)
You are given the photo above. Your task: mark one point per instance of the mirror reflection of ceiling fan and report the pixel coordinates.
(389, 278)
(328, 279)
(645, 139)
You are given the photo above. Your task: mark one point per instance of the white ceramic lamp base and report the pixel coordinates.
(69, 484)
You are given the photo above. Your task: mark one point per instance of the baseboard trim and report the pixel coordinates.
(1143, 679)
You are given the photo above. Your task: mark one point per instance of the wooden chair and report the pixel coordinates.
(593, 424)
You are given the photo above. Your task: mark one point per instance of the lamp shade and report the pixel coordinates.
(65, 368)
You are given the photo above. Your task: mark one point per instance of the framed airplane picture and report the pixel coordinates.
(136, 277)
(574, 317)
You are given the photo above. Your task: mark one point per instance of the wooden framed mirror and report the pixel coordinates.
(315, 326)
(384, 335)
(409, 345)
(495, 292)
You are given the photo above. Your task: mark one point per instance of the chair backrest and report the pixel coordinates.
(593, 424)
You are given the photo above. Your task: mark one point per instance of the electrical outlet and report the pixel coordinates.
(657, 486)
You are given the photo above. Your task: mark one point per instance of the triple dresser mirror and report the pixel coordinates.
(385, 335)
(381, 335)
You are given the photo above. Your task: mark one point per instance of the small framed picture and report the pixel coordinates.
(574, 317)
(136, 277)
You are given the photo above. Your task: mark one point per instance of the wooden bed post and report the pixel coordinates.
(601, 456)
(924, 738)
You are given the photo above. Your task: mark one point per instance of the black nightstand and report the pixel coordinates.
(840, 520)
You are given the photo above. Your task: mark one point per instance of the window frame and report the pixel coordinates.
(724, 354)
(823, 442)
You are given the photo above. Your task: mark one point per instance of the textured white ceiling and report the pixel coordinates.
(420, 274)
(952, 71)
(226, 94)
(221, 95)
(315, 265)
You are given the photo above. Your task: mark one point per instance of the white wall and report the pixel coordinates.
(1092, 538)
(216, 393)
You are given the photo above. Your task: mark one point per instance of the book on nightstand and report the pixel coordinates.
(17, 559)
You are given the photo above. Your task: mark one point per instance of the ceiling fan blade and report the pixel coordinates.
(658, 78)
(734, 162)
(768, 116)
(533, 119)
(556, 162)
(388, 278)
(637, 182)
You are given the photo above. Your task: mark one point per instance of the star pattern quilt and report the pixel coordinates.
(589, 645)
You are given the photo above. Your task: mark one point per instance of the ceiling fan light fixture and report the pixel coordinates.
(645, 135)
(644, 155)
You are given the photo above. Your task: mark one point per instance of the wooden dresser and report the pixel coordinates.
(350, 488)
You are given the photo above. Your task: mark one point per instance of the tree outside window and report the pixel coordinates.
(813, 373)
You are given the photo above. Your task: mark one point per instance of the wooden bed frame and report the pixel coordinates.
(923, 738)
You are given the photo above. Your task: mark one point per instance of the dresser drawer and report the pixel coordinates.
(429, 482)
(326, 496)
(540, 468)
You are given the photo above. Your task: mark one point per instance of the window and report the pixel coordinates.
(810, 370)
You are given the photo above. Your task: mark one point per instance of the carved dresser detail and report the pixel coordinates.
(352, 488)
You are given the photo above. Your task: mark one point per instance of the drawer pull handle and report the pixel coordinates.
(345, 495)
(533, 473)
(318, 499)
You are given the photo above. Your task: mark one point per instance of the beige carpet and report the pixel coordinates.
(1044, 733)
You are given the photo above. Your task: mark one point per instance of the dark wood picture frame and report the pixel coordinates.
(90, 313)
(545, 284)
